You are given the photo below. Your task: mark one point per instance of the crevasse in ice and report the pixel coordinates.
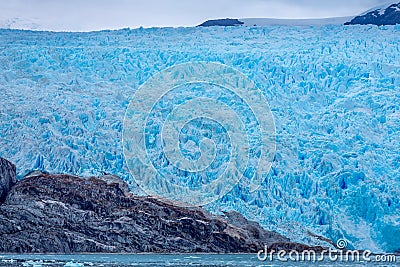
(334, 93)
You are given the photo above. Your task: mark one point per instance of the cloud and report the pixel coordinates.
(78, 15)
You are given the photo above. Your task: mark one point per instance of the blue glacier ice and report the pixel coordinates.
(334, 92)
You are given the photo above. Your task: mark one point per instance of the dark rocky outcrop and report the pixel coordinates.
(46, 213)
(385, 16)
(8, 178)
(222, 22)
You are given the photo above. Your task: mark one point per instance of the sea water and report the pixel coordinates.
(161, 260)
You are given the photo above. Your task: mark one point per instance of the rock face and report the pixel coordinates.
(381, 16)
(65, 214)
(222, 22)
(7, 178)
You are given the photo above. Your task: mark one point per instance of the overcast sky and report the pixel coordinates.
(85, 15)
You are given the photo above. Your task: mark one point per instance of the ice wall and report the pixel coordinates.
(334, 92)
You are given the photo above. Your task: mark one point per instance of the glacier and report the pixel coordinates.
(333, 91)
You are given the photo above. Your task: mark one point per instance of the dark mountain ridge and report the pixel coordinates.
(380, 16)
(45, 213)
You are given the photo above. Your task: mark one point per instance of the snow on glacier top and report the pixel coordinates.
(294, 22)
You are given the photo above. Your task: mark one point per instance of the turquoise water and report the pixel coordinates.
(199, 260)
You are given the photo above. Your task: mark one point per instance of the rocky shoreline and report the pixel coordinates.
(44, 213)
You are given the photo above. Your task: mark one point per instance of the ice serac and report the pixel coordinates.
(67, 214)
(333, 92)
(7, 178)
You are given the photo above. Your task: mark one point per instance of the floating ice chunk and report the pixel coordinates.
(74, 264)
